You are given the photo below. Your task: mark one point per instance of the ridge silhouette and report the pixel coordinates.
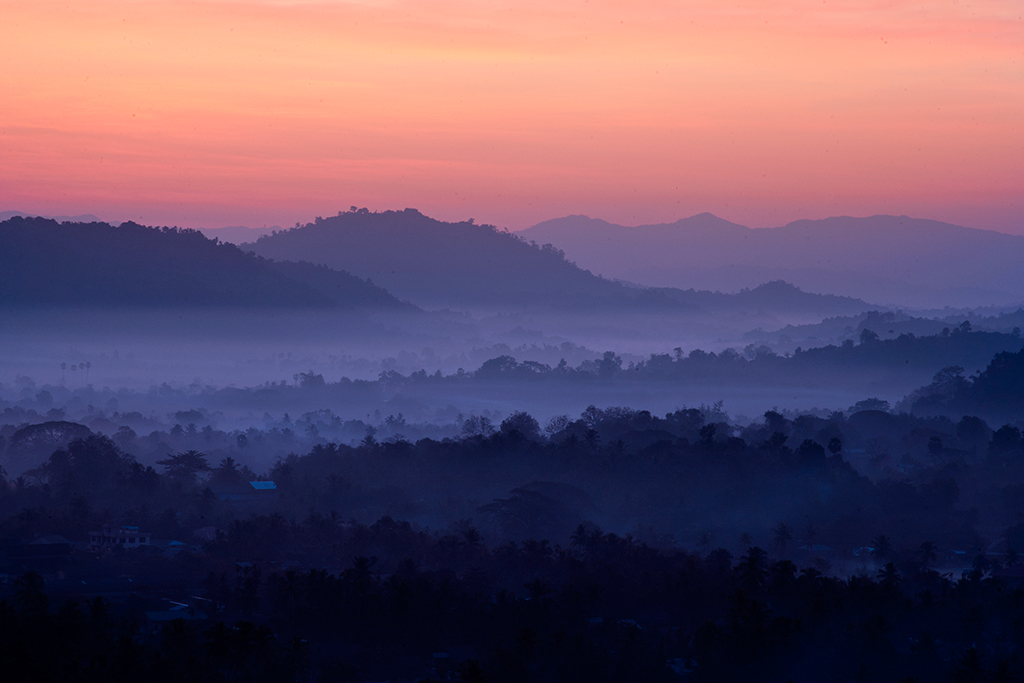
(43, 262)
(886, 259)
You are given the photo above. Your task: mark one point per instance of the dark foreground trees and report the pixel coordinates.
(302, 587)
(607, 609)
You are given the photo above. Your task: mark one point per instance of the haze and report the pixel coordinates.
(609, 342)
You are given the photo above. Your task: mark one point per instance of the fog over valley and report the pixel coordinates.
(378, 412)
(541, 342)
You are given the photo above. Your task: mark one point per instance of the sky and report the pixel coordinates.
(207, 113)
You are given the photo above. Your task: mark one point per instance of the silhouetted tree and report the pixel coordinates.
(927, 554)
(782, 537)
(227, 472)
(523, 423)
(184, 466)
(881, 547)
(889, 577)
(753, 569)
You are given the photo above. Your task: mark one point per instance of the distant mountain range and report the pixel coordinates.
(434, 263)
(43, 262)
(413, 257)
(886, 259)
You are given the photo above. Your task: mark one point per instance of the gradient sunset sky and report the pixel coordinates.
(207, 113)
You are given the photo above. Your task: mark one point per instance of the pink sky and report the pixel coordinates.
(206, 113)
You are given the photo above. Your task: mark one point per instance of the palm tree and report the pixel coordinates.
(888, 577)
(783, 573)
(28, 592)
(927, 554)
(227, 472)
(882, 547)
(185, 466)
(812, 535)
(753, 569)
(360, 575)
(291, 588)
(810, 574)
(782, 537)
(704, 542)
(472, 540)
(579, 541)
(536, 552)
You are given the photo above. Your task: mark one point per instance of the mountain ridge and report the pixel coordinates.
(439, 263)
(432, 262)
(889, 259)
(457, 265)
(45, 263)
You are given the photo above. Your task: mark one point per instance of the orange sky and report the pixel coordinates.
(207, 113)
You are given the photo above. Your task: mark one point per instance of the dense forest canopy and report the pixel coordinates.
(868, 536)
(617, 455)
(503, 384)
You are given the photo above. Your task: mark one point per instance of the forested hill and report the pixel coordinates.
(43, 262)
(433, 262)
(436, 263)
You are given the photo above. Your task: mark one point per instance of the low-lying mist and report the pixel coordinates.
(505, 454)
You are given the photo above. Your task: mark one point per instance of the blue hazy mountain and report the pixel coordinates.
(886, 259)
(436, 263)
(432, 262)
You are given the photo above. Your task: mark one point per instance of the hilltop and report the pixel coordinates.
(437, 263)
